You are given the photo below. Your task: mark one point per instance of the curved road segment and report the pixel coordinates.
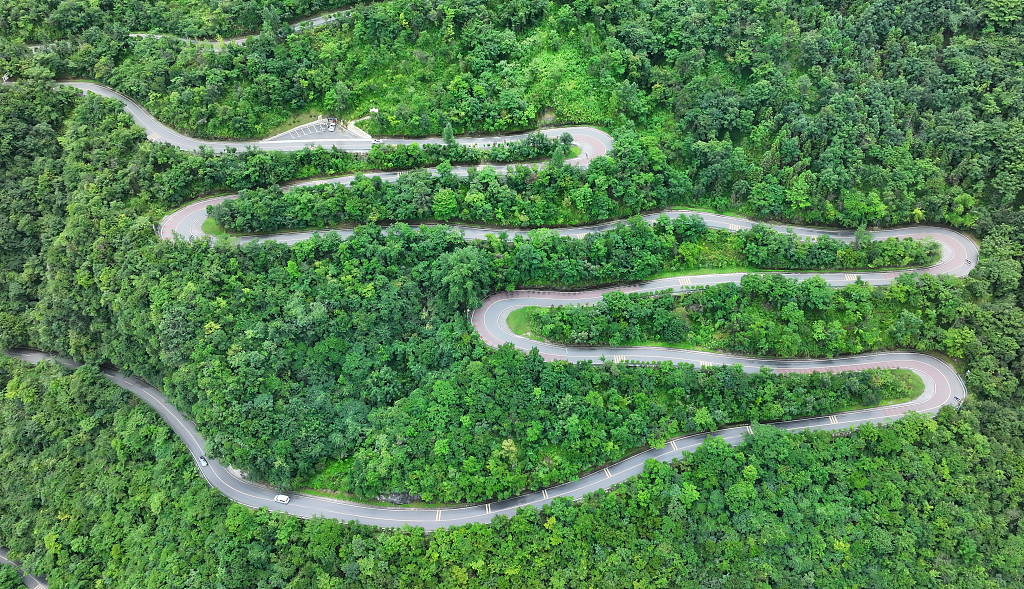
(31, 581)
(942, 384)
(591, 141)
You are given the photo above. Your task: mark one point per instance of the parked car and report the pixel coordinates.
(332, 123)
(330, 126)
(282, 498)
(203, 461)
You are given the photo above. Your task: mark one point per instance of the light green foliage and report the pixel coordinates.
(792, 115)
(291, 358)
(1004, 11)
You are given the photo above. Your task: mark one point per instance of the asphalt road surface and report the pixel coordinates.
(32, 581)
(188, 220)
(943, 385)
(590, 140)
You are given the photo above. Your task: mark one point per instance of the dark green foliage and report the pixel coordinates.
(525, 197)
(32, 198)
(775, 316)
(764, 247)
(874, 113)
(536, 145)
(43, 20)
(289, 356)
(637, 250)
(619, 319)
(280, 353)
(925, 503)
(10, 578)
(514, 422)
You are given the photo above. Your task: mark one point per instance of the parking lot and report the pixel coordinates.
(318, 130)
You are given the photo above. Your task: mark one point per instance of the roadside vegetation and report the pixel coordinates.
(292, 359)
(791, 111)
(54, 20)
(121, 503)
(770, 315)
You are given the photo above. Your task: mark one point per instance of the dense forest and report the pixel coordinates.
(527, 196)
(336, 357)
(925, 503)
(770, 315)
(10, 578)
(849, 113)
(40, 21)
(509, 434)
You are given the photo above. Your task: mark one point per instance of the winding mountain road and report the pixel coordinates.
(942, 384)
(591, 141)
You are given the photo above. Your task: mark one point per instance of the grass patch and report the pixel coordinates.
(722, 270)
(296, 119)
(333, 476)
(737, 213)
(915, 384)
(911, 383)
(521, 320)
(211, 227)
(574, 151)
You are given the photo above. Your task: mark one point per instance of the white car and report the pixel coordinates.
(203, 462)
(331, 126)
(378, 141)
(282, 498)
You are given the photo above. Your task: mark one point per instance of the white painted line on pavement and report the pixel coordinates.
(607, 473)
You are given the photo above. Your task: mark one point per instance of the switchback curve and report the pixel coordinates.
(942, 384)
(942, 387)
(592, 142)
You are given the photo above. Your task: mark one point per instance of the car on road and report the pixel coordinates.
(378, 141)
(203, 461)
(282, 498)
(332, 124)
